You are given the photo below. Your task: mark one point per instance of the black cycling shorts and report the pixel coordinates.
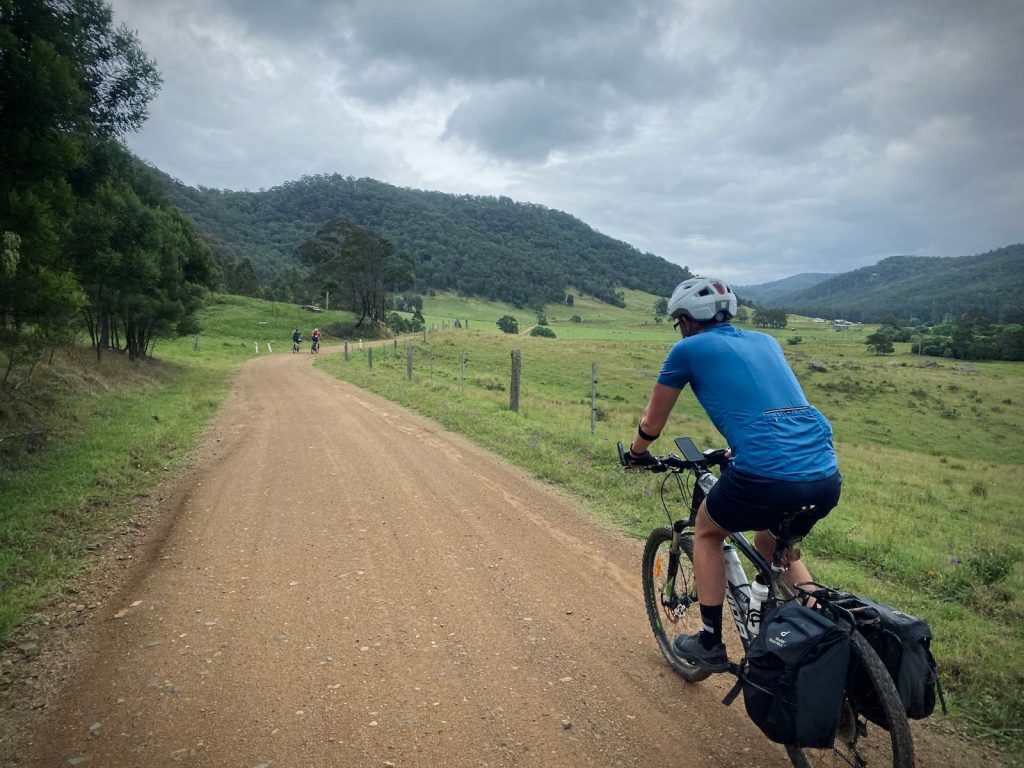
(742, 502)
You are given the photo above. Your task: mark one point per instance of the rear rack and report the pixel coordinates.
(842, 604)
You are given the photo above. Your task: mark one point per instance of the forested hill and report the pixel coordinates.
(928, 288)
(766, 293)
(483, 246)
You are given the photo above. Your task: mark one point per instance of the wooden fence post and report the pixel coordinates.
(408, 363)
(369, 356)
(462, 387)
(346, 349)
(513, 391)
(593, 398)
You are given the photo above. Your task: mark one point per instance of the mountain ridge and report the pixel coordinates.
(492, 247)
(762, 292)
(930, 288)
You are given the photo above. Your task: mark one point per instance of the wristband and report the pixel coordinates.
(644, 435)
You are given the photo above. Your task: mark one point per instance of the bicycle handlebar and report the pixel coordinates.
(671, 462)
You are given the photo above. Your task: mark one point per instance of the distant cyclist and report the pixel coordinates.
(314, 347)
(781, 446)
(296, 340)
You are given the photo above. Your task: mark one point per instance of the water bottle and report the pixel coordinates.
(758, 594)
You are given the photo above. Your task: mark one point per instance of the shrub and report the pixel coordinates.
(543, 330)
(991, 565)
(508, 324)
(794, 339)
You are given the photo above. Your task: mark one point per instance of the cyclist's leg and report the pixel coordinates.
(814, 499)
(708, 559)
(764, 541)
(705, 649)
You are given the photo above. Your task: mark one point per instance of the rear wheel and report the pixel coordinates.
(859, 742)
(672, 608)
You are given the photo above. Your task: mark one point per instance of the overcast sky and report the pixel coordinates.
(751, 140)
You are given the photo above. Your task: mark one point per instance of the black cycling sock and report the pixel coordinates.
(711, 615)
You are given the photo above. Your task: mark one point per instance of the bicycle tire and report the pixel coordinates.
(859, 742)
(685, 614)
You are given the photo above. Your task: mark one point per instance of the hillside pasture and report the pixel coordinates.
(930, 451)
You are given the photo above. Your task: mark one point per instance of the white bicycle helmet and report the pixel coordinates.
(702, 298)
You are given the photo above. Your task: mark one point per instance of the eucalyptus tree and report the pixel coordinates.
(69, 83)
(358, 266)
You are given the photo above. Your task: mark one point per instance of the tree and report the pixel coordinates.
(508, 324)
(765, 317)
(661, 307)
(69, 83)
(880, 342)
(140, 262)
(358, 265)
(1011, 342)
(570, 299)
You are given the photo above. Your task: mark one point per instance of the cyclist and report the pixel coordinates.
(314, 347)
(296, 340)
(782, 459)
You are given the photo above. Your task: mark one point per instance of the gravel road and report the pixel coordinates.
(340, 582)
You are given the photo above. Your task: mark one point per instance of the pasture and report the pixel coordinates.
(930, 450)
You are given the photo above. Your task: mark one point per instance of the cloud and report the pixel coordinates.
(752, 139)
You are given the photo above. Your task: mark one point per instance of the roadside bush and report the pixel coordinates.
(543, 330)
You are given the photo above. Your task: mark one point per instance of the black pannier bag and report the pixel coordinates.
(903, 643)
(795, 676)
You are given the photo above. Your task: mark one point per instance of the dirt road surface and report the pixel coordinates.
(339, 582)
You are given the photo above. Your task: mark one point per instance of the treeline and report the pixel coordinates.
(929, 288)
(972, 336)
(88, 238)
(770, 318)
(490, 247)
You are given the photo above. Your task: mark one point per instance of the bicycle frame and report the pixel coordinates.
(737, 593)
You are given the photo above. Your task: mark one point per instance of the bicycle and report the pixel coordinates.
(296, 345)
(314, 347)
(673, 609)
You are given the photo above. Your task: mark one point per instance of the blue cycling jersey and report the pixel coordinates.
(753, 398)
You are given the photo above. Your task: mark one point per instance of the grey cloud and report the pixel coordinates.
(758, 138)
(525, 120)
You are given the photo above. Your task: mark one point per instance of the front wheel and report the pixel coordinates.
(860, 742)
(670, 594)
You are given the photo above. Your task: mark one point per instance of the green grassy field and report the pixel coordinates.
(931, 454)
